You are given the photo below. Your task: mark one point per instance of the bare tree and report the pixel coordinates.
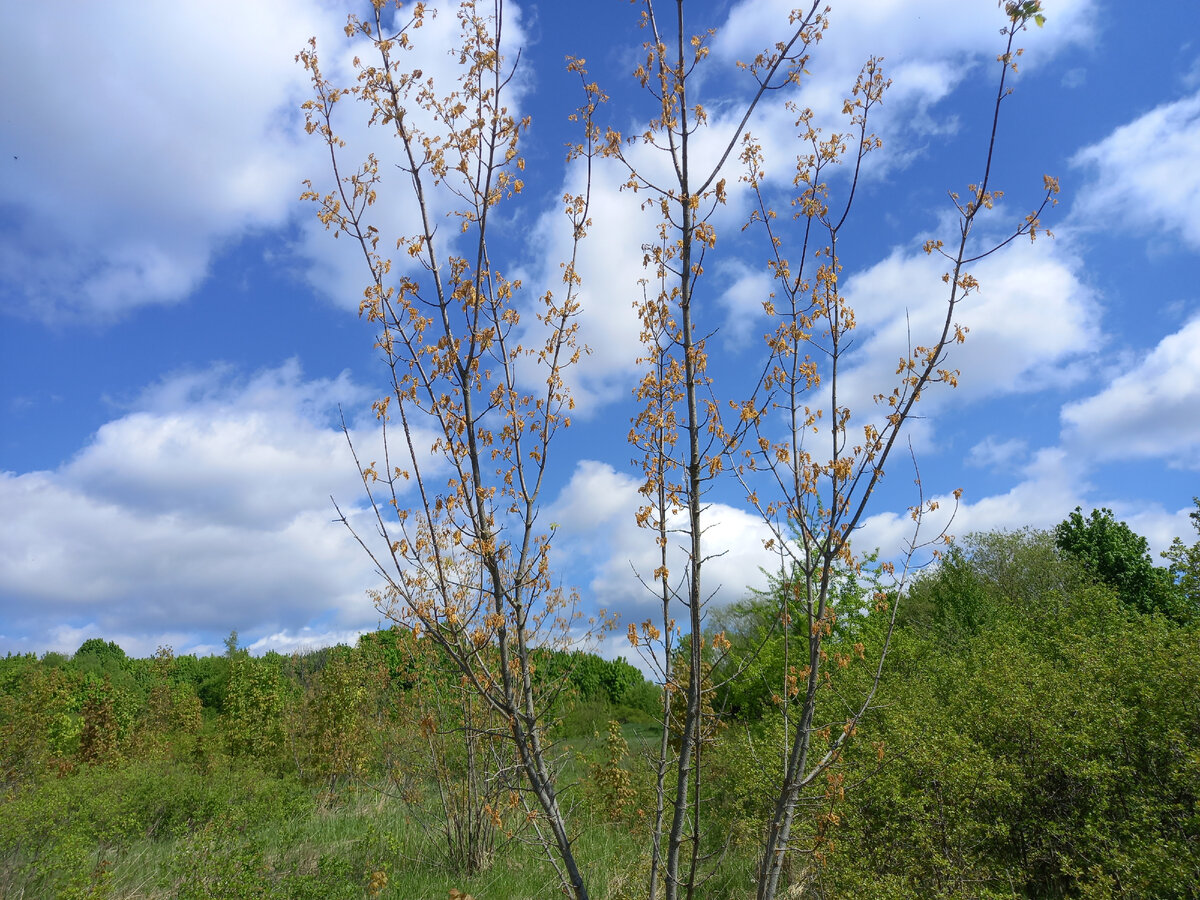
(462, 554)
(811, 497)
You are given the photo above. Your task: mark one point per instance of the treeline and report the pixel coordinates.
(318, 775)
(325, 714)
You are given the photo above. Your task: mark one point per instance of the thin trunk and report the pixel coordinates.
(691, 725)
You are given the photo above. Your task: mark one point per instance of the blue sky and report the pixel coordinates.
(177, 332)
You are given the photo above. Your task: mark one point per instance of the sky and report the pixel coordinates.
(179, 336)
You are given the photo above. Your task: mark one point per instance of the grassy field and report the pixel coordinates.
(170, 830)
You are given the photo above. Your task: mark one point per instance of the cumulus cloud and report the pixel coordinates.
(305, 640)
(935, 30)
(597, 530)
(609, 266)
(1145, 174)
(188, 137)
(1148, 411)
(928, 54)
(204, 507)
(1051, 484)
(1157, 525)
(1032, 316)
(927, 51)
(249, 453)
(144, 142)
(993, 453)
(1074, 78)
(743, 301)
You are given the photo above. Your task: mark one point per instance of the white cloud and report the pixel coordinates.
(1052, 484)
(1074, 78)
(1149, 411)
(927, 50)
(595, 512)
(305, 640)
(144, 141)
(743, 301)
(1146, 174)
(80, 557)
(609, 265)
(928, 53)
(1033, 324)
(1191, 78)
(992, 453)
(252, 454)
(1156, 524)
(204, 508)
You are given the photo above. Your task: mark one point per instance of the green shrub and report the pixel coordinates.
(1040, 738)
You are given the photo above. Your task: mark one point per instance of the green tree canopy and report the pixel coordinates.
(1115, 555)
(104, 652)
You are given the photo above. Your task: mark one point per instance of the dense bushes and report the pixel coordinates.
(1053, 750)
(1037, 734)
(58, 828)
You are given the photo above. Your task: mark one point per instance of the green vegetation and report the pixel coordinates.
(1037, 734)
(1036, 737)
(344, 772)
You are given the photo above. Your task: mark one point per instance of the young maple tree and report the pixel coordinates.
(463, 559)
(811, 499)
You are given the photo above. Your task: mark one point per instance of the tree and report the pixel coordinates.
(38, 725)
(460, 745)
(462, 557)
(689, 433)
(100, 735)
(96, 654)
(172, 713)
(464, 560)
(253, 711)
(1184, 566)
(337, 718)
(1117, 556)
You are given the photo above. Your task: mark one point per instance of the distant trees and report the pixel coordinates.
(173, 710)
(1184, 564)
(335, 715)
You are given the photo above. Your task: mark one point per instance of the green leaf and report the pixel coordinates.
(1040, 20)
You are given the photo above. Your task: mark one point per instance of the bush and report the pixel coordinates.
(1043, 739)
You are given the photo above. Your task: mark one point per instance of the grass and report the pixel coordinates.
(232, 830)
(168, 831)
